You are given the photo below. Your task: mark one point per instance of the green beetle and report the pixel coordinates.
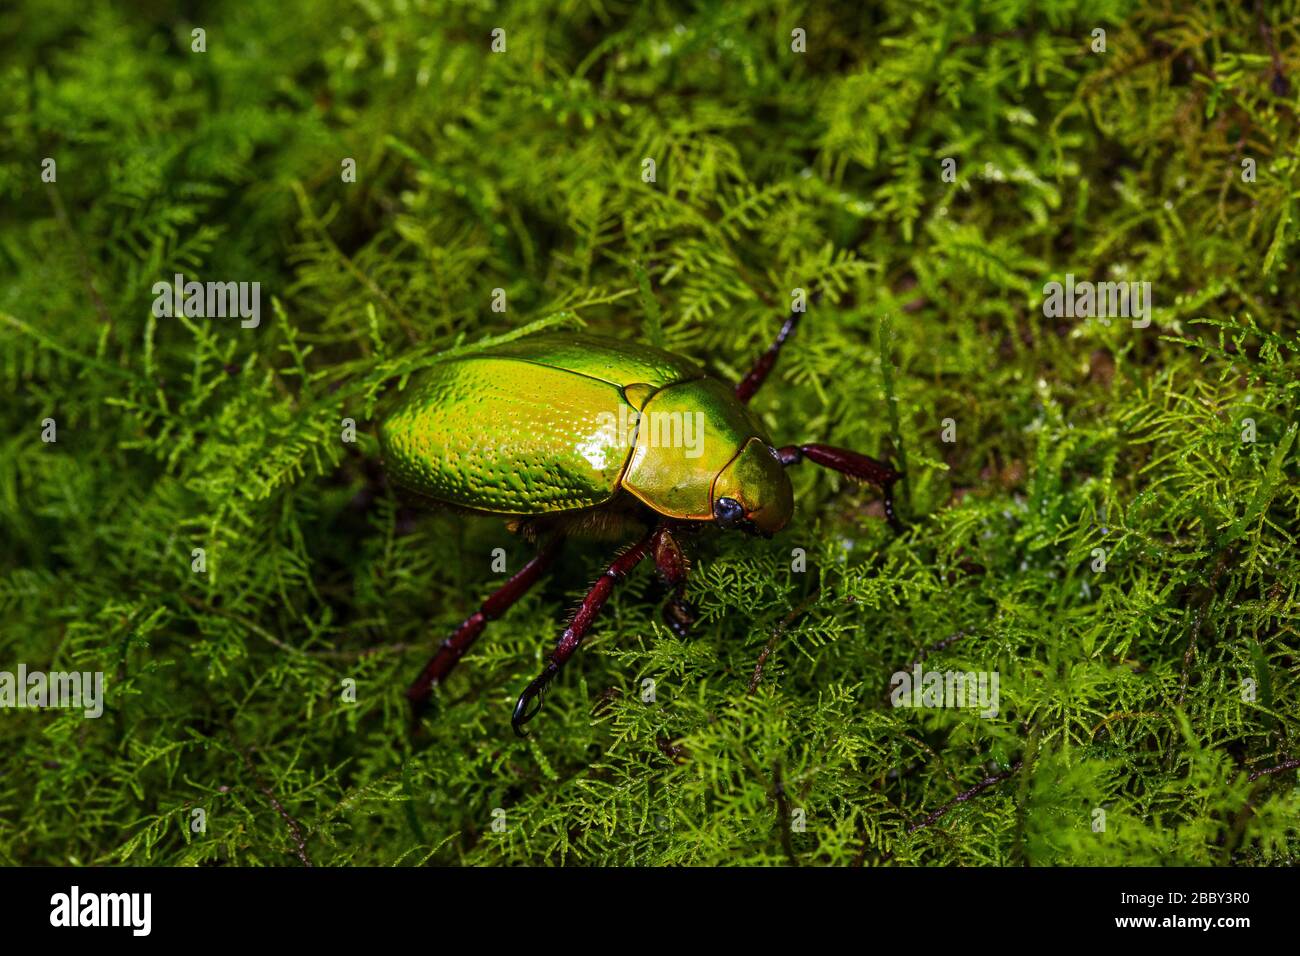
(569, 434)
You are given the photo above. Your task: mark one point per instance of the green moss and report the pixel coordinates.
(1121, 690)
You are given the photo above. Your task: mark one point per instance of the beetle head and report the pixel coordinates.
(753, 491)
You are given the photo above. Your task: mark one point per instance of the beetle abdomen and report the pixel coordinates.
(508, 435)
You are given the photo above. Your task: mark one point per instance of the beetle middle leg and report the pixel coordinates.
(496, 604)
(673, 567)
(530, 701)
(851, 463)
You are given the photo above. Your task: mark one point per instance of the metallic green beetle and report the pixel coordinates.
(569, 434)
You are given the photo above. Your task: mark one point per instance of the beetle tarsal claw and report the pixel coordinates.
(530, 701)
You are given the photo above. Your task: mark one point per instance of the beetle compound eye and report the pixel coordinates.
(727, 511)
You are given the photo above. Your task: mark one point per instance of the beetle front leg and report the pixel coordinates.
(758, 374)
(851, 463)
(500, 601)
(530, 701)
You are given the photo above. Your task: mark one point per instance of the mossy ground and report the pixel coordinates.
(1162, 690)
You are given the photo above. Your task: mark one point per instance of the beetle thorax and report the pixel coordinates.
(689, 434)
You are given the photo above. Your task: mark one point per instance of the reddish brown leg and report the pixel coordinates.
(673, 568)
(530, 701)
(852, 464)
(500, 601)
(750, 383)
